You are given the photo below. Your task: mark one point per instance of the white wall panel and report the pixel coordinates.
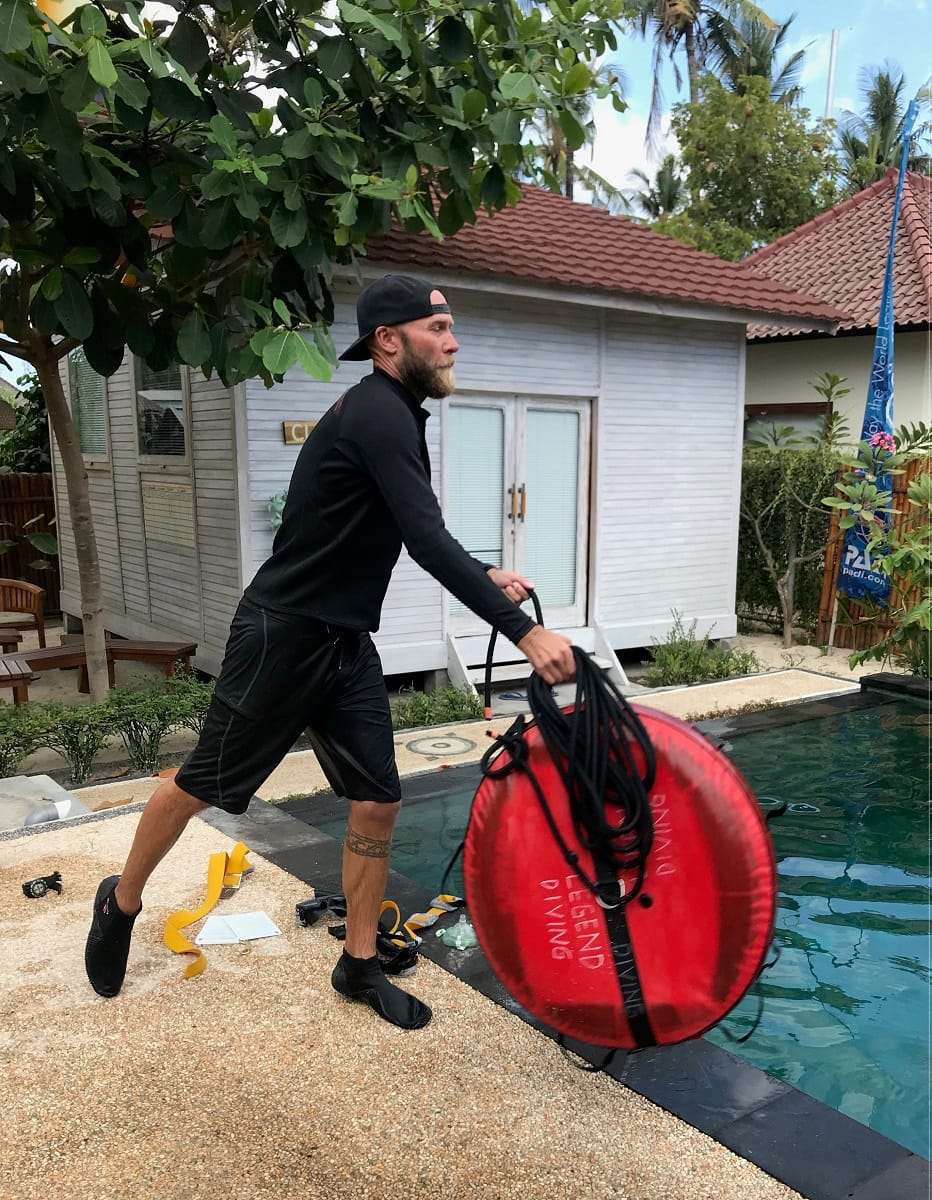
(668, 436)
(667, 408)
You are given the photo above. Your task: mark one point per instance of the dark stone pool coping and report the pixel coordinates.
(805, 1144)
(910, 686)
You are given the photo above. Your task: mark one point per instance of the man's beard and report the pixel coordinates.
(424, 379)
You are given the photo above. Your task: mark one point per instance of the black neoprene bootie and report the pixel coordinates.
(363, 979)
(107, 948)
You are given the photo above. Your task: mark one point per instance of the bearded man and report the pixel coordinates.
(300, 655)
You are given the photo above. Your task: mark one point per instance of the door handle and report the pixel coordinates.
(522, 491)
(513, 493)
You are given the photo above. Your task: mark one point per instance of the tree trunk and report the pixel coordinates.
(82, 521)
(692, 63)
(569, 183)
(787, 590)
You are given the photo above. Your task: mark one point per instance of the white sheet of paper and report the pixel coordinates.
(252, 925)
(236, 927)
(216, 932)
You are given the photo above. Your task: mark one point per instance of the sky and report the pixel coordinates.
(870, 32)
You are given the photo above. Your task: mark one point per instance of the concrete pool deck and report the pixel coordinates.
(466, 741)
(257, 1076)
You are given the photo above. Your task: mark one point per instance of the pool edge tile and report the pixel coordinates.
(908, 1179)
(812, 1147)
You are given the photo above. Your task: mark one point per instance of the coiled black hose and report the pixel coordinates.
(604, 757)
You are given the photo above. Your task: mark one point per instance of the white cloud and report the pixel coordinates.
(620, 144)
(815, 64)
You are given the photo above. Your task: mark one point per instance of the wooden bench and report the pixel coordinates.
(27, 600)
(16, 675)
(138, 650)
(9, 639)
(71, 654)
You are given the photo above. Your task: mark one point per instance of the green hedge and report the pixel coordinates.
(416, 709)
(143, 719)
(811, 474)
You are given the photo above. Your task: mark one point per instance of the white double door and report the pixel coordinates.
(517, 495)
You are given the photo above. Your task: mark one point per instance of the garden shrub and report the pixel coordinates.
(900, 549)
(447, 704)
(809, 471)
(190, 698)
(21, 728)
(77, 733)
(683, 658)
(143, 719)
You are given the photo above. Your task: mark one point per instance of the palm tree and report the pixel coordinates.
(549, 147)
(747, 46)
(231, 41)
(562, 172)
(870, 142)
(662, 196)
(683, 24)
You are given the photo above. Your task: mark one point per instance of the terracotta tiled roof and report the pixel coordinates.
(548, 239)
(842, 255)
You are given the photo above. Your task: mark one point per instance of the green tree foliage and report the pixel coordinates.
(871, 141)
(658, 197)
(556, 156)
(755, 169)
(26, 446)
(784, 530)
(151, 191)
(680, 28)
(749, 46)
(783, 533)
(156, 196)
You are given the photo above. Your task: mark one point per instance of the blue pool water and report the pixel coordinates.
(846, 1012)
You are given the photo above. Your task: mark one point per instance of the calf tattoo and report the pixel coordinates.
(367, 847)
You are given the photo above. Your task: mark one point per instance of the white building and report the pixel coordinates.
(594, 442)
(842, 255)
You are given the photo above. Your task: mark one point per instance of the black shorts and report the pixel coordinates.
(283, 676)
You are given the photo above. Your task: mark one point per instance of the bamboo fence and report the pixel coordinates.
(856, 626)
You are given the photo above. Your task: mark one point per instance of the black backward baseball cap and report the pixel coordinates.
(391, 300)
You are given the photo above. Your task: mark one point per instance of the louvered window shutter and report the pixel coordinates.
(88, 405)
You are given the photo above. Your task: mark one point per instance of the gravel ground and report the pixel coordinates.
(256, 1079)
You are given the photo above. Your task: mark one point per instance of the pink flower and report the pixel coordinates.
(884, 441)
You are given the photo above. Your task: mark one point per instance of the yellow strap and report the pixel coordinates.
(438, 906)
(223, 871)
(392, 907)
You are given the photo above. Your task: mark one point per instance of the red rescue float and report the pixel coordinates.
(658, 970)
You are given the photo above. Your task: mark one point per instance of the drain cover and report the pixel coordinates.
(440, 747)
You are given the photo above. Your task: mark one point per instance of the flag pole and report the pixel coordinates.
(831, 629)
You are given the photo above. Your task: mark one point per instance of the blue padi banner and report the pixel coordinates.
(857, 576)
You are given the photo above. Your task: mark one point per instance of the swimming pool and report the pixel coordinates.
(846, 1012)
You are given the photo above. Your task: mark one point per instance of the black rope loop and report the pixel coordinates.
(507, 752)
(490, 653)
(604, 757)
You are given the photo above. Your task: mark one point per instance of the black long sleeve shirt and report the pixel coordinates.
(361, 488)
